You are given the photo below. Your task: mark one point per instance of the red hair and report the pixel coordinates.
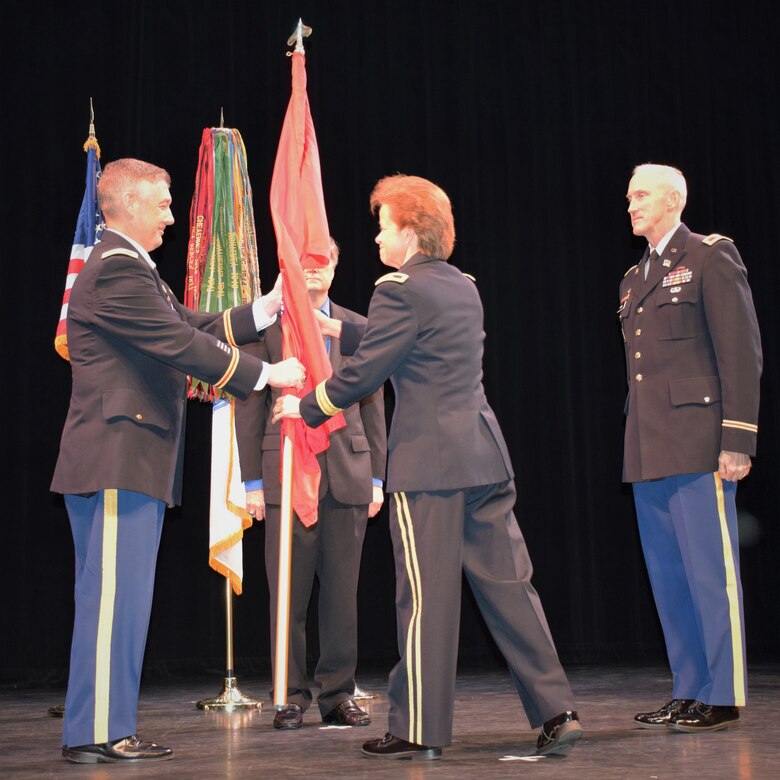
(422, 206)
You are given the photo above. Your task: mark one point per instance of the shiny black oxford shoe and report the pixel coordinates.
(289, 717)
(559, 734)
(661, 717)
(347, 713)
(126, 749)
(393, 747)
(704, 717)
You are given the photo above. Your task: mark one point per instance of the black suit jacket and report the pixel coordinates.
(356, 453)
(131, 346)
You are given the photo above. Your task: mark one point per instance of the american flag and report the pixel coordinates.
(88, 229)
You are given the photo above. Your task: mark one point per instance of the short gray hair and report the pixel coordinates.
(669, 175)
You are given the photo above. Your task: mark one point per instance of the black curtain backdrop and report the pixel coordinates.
(531, 115)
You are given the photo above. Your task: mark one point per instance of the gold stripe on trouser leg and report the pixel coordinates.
(105, 617)
(732, 592)
(413, 663)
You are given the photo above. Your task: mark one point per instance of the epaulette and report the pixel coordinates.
(469, 276)
(120, 251)
(394, 276)
(629, 271)
(713, 238)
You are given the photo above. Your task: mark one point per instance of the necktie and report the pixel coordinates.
(649, 261)
(325, 310)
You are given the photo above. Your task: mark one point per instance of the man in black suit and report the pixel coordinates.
(352, 470)
(693, 358)
(132, 345)
(450, 478)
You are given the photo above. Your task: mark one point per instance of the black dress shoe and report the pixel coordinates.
(704, 717)
(127, 749)
(393, 747)
(289, 717)
(559, 734)
(660, 718)
(347, 713)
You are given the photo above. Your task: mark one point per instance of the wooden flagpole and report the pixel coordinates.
(283, 589)
(281, 653)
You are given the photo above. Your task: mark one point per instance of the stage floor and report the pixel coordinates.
(491, 735)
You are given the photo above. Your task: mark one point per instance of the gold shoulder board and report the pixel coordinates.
(714, 238)
(122, 252)
(395, 276)
(469, 276)
(629, 271)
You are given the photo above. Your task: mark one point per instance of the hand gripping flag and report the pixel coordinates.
(88, 229)
(222, 271)
(301, 227)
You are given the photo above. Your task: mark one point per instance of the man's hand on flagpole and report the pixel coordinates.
(376, 504)
(287, 373)
(272, 301)
(286, 407)
(328, 326)
(255, 504)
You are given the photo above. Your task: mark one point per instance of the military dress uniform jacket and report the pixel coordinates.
(693, 356)
(356, 454)
(420, 334)
(132, 345)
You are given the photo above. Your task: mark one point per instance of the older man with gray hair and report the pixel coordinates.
(693, 356)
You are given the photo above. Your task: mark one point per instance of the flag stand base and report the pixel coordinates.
(230, 699)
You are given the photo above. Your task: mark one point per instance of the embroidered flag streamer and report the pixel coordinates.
(222, 271)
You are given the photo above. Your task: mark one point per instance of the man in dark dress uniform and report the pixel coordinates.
(352, 470)
(120, 463)
(450, 477)
(693, 355)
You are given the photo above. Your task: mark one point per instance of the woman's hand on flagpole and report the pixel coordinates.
(286, 407)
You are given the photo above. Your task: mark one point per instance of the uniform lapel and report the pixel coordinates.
(674, 250)
(114, 240)
(673, 253)
(641, 286)
(335, 344)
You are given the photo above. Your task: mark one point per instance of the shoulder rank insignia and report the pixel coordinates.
(120, 252)
(469, 276)
(713, 238)
(395, 276)
(630, 270)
